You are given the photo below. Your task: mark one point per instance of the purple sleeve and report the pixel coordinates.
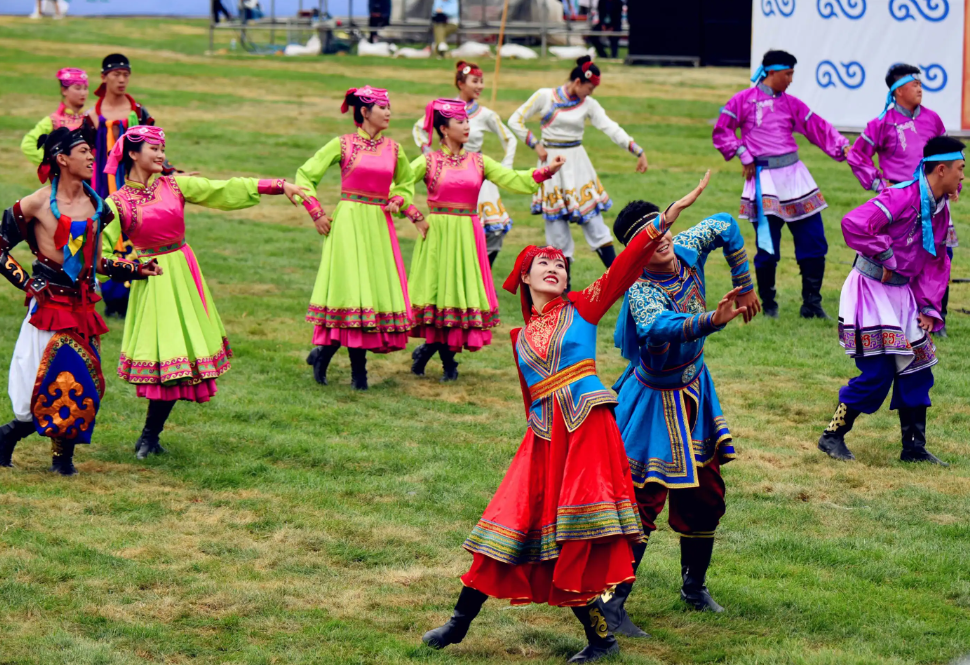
(864, 230)
(725, 130)
(860, 158)
(930, 285)
(817, 130)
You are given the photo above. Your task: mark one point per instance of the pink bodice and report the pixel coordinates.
(454, 181)
(70, 120)
(367, 168)
(152, 217)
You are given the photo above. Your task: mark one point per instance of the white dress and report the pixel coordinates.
(575, 194)
(491, 212)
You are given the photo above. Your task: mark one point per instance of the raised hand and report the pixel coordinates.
(726, 312)
(295, 193)
(749, 301)
(673, 212)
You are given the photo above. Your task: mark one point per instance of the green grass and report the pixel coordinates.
(298, 524)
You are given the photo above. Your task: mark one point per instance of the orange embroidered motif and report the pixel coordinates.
(62, 392)
(15, 269)
(540, 329)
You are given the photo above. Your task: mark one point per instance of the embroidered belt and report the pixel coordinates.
(563, 378)
(871, 269)
(453, 210)
(674, 378)
(777, 161)
(360, 198)
(164, 249)
(562, 144)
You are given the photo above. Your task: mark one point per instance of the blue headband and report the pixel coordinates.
(763, 71)
(925, 197)
(895, 86)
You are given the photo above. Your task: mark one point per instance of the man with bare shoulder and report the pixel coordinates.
(56, 384)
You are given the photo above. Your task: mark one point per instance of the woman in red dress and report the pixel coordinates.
(562, 523)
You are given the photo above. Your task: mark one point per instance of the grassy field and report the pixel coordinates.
(295, 524)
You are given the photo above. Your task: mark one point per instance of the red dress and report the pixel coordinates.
(560, 527)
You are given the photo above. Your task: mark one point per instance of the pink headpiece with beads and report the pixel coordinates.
(449, 108)
(368, 95)
(147, 133)
(71, 75)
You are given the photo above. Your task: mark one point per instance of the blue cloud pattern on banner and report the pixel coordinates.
(934, 77)
(931, 10)
(784, 7)
(854, 74)
(853, 9)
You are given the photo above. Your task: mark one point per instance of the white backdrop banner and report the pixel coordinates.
(845, 47)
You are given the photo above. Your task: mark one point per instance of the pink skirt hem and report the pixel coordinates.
(354, 338)
(199, 392)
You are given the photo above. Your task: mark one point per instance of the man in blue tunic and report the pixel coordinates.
(675, 434)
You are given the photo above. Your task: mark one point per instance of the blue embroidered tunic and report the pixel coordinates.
(668, 411)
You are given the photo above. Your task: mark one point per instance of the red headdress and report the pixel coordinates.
(523, 264)
(590, 76)
(449, 108)
(367, 95)
(469, 69)
(147, 133)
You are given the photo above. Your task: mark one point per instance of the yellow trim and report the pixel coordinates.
(563, 378)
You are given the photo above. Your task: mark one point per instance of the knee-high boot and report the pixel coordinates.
(695, 559)
(421, 356)
(607, 254)
(469, 603)
(62, 457)
(10, 435)
(832, 441)
(158, 413)
(613, 605)
(492, 256)
(320, 359)
(600, 641)
(448, 364)
(766, 289)
(358, 368)
(912, 423)
(813, 273)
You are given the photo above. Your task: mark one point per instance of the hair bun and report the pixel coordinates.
(41, 140)
(583, 60)
(460, 64)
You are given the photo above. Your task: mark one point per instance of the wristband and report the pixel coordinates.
(314, 208)
(272, 187)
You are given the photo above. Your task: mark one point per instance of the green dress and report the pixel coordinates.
(174, 344)
(360, 296)
(452, 295)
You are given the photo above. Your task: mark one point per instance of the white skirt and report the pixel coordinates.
(574, 194)
(879, 319)
(24, 366)
(789, 193)
(491, 212)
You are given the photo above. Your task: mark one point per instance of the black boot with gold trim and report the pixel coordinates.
(469, 604)
(695, 559)
(601, 642)
(612, 604)
(832, 441)
(62, 457)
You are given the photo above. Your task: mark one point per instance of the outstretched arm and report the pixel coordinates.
(603, 122)
(530, 109)
(596, 299)
(520, 182)
(818, 130)
(861, 159)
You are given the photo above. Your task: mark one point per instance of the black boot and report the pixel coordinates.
(320, 359)
(62, 457)
(10, 435)
(607, 254)
(600, 641)
(448, 364)
(832, 441)
(813, 272)
(469, 603)
(491, 257)
(358, 368)
(148, 444)
(766, 289)
(695, 558)
(612, 605)
(420, 357)
(912, 422)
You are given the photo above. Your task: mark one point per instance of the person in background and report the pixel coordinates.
(897, 137)
(70, 114)
(778, 189)
(219, 9)
(380, 16)
(444, 17)
(609, 18)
